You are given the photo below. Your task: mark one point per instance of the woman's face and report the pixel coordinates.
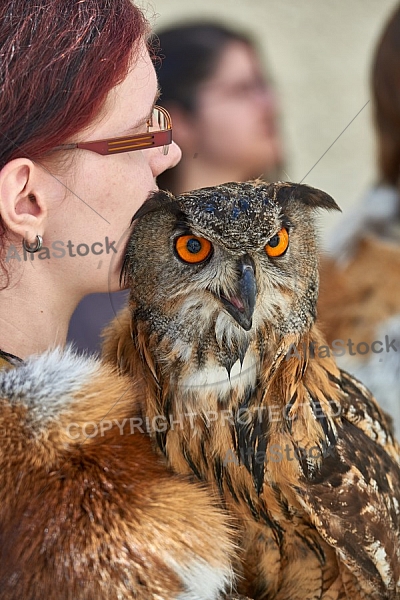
(236, 116)
(93, 203)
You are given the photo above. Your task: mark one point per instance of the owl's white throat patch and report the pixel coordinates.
(217, 379)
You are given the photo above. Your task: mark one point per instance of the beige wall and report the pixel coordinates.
(319, 53)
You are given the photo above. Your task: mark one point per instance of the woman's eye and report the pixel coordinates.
(192, 249)
(278, 244)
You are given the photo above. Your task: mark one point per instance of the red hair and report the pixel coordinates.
(58, 61)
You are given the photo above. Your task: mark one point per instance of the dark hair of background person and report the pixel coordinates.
(385, 81)
(59, 60)
(188, 56)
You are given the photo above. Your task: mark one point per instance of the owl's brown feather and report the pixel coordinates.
(314, 484)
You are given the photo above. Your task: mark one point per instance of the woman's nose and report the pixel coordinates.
(174, 154)
(161, 162)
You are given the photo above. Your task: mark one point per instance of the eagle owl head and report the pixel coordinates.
(220, 275)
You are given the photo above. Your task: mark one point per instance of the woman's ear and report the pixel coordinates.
(21, 206)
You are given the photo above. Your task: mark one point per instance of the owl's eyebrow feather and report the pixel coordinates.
(183, 226)
(286, 222)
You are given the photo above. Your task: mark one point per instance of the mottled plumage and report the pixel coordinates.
(238, 391)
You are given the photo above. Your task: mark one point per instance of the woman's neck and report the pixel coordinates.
(34, 316)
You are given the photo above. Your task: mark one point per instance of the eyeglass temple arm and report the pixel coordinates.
(147, 140)
(127, 144)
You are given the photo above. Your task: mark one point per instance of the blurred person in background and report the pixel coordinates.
(360, 284)
(223, 106)
(225, 116)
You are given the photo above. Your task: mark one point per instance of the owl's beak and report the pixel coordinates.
(241, 305)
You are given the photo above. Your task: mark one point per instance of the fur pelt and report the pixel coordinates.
(88, 511)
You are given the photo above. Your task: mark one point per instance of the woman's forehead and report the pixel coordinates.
(128, 103)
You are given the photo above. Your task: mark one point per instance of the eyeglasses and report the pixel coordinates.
(159, 134)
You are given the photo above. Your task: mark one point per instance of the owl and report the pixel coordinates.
(241, 392)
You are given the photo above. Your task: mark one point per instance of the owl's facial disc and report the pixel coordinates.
(240, 305)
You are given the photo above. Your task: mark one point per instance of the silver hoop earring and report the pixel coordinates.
(33, 248)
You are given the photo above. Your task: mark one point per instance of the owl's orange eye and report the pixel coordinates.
(193, 249)
(278, 243)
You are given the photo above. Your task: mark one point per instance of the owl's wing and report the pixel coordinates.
(354, 499)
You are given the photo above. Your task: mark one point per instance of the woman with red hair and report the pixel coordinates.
(87, 511)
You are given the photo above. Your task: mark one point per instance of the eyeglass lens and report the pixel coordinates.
(158, 122)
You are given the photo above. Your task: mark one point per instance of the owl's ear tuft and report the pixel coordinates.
(285, 193)
(157, 200)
